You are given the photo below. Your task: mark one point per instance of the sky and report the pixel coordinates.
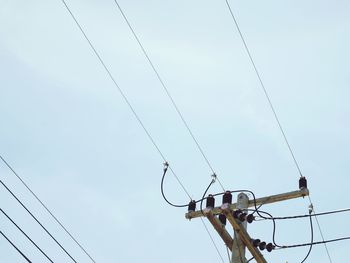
(67, 131)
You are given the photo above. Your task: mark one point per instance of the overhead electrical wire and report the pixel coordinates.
(312, 235)
(264, 88)
(40, 224)
(303, 216)
(123, 95)
(21, 230)
(272, 109)
(321, 232)
(133, 111)
(47, 209)
(212, 240)
(316, 243)
(178, 112)
(15, 247)
(155, 70)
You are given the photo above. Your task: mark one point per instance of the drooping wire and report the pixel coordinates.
(34, 217)
(155, 70)
(123, 95)
(47, 209)
(212, 240)
(205, 192)
(165, 169)
(312, 235)
(20, 229)
(15, 247)
(272, 109)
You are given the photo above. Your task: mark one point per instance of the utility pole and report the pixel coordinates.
(236, 214)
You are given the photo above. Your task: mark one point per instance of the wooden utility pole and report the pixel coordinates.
(240, 240)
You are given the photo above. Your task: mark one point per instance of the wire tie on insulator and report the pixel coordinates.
(214, 176)
(166, 165)
(311, 208)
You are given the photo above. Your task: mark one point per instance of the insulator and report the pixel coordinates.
(242, 217)
(210, 201)
(256, 242)
(227, 198)
(250, 218)
(302, 183)
(270, 247)
(236, 213)
(262, 245)
(192, 206)
(222, 219)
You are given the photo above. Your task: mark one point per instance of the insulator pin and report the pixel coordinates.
(222, 219)
(302, 183)
(210, 201)
(192, 206)
(227, 198)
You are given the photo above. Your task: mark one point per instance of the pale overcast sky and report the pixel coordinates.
(69, 134)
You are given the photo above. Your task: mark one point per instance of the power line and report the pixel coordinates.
(15, 247)
(303, 216)
(124, 96)
(312, 235)
(212, 240)
(131, 107)
(321, 232)
(264, 89)
(30, 213)
(20, 229)
(155, 70)
(47, 209)
(273, 110)
(316, 243)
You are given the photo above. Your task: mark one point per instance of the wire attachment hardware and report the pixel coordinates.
(311, 208)
(166, 165)
(214, 177)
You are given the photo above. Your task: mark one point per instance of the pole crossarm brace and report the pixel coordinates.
(220, 228)
(259, 201)
(244, 236)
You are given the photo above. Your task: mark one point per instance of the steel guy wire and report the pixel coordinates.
(21, 230)
(155, 70)
(47, 209)
(271, 105)
(123, 95)
(40, 224)
(15, 247)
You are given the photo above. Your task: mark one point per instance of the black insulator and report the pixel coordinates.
(250, 218)
(210, 201)
(242, 217)
(302, 182)
(222, 219)
(236, 213)
(192, 206)
(270, 247)
(256, 242)
(227, 198)
(262, 245)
